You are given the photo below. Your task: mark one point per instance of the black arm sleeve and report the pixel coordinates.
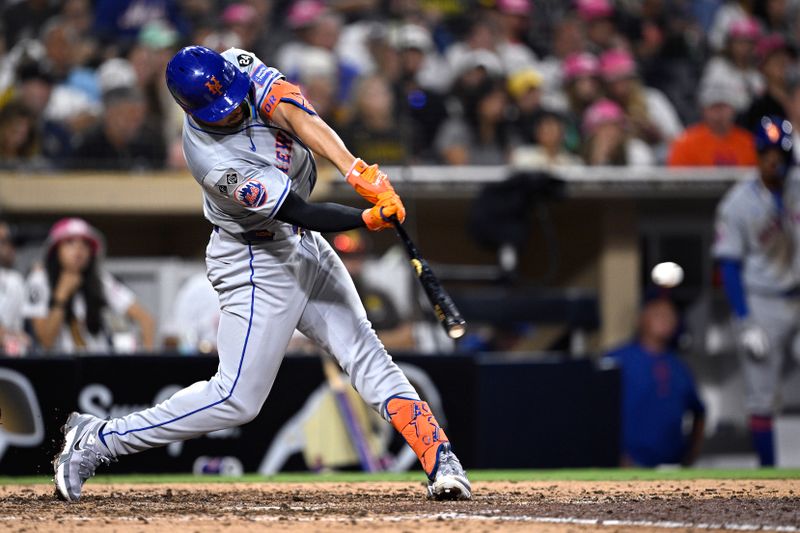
(325, 217)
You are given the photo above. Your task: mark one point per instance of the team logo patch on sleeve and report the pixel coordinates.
(251, 193)
(260, 74)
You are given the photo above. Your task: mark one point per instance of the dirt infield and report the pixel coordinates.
(541, 506)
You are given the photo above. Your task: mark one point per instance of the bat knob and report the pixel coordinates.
(457, 330)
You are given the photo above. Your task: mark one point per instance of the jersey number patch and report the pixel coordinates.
(251, 193)
(244, 60)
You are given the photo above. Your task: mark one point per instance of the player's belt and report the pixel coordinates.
(258, 235)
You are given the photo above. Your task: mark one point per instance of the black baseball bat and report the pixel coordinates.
(443, 307)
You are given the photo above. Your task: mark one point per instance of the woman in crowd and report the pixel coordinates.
(736, 65)
(582, 88)
(68, 297)
(548, 150)
(607, 140)
(650, 114)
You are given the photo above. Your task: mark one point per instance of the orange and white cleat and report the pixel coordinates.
(415, 422)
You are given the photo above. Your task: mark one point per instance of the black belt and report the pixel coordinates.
(258, 235)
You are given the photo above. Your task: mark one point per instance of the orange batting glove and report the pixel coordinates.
(379, 216)
(368, 180)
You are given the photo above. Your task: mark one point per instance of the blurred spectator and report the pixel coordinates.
(317, 30)
(155, 46)
(736, 64)
(24, 19)
(420, 106)
(121, 141)
(480, 41)
(20, 145)
(33, 90)
(548, 149)
(120, 21)
(67, 298)
(512, 46)
(598, 20)
(716, 141)
(567, 41)
(480, 136)
(658, 390)
(651, 116)
(582, 88)
(726, 16)
(775, 59)
(194, 317)
(794, 117)
(374, 132)
(777, 16)
(607, 139)
(13, 340)
(666, 43)
(526, 97)
(354, 250)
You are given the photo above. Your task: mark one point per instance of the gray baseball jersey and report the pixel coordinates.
(267, 287)
(751, 228)
(246, 173)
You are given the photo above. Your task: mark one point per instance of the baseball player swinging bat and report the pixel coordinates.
(443, 306)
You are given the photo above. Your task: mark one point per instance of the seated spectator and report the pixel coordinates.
(607, 141)
(121, 141)
(514, 20)
(480, 136)
(20, 146)
(582, 88)
(524, 87)
(726, 16)
(598, 19)
(13, 340)
(775, 59)
(548, 149)
(736, 65)
(657, 392)
(374, 132)
(67, 297)
(194, 317)
(716, 141)
(650, 115)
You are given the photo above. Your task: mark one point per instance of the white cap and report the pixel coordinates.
(116, 73)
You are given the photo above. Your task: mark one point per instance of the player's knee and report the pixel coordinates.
(241, 412)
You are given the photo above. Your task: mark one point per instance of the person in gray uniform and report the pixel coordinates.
(756, 246)
(248, 139)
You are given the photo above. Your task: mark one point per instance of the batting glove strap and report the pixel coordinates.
(368, 181)
(415, 422)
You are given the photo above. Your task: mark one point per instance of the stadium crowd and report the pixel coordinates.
(529, 82)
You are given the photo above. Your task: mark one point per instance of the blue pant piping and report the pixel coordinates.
(238, 372)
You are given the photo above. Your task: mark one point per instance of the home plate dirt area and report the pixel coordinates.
(738, 505)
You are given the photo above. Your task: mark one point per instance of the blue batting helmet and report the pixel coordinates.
(205, 84)
(774, 133)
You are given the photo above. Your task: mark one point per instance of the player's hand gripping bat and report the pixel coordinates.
(443, 306)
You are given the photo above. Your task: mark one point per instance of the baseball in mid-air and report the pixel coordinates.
(667, 275)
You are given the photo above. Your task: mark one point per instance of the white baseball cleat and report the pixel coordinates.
(450, 481)
(80, 456)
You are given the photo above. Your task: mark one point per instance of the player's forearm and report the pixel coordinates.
(324, 217)
(317, 136)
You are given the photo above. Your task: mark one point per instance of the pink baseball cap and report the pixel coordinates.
(744, 28)
(239, 14)
(304, 13)
(594, 9)
(580, 65)
(617, 63)
(769, 44)
(601, 112)
(514, 7)
(67, 228)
